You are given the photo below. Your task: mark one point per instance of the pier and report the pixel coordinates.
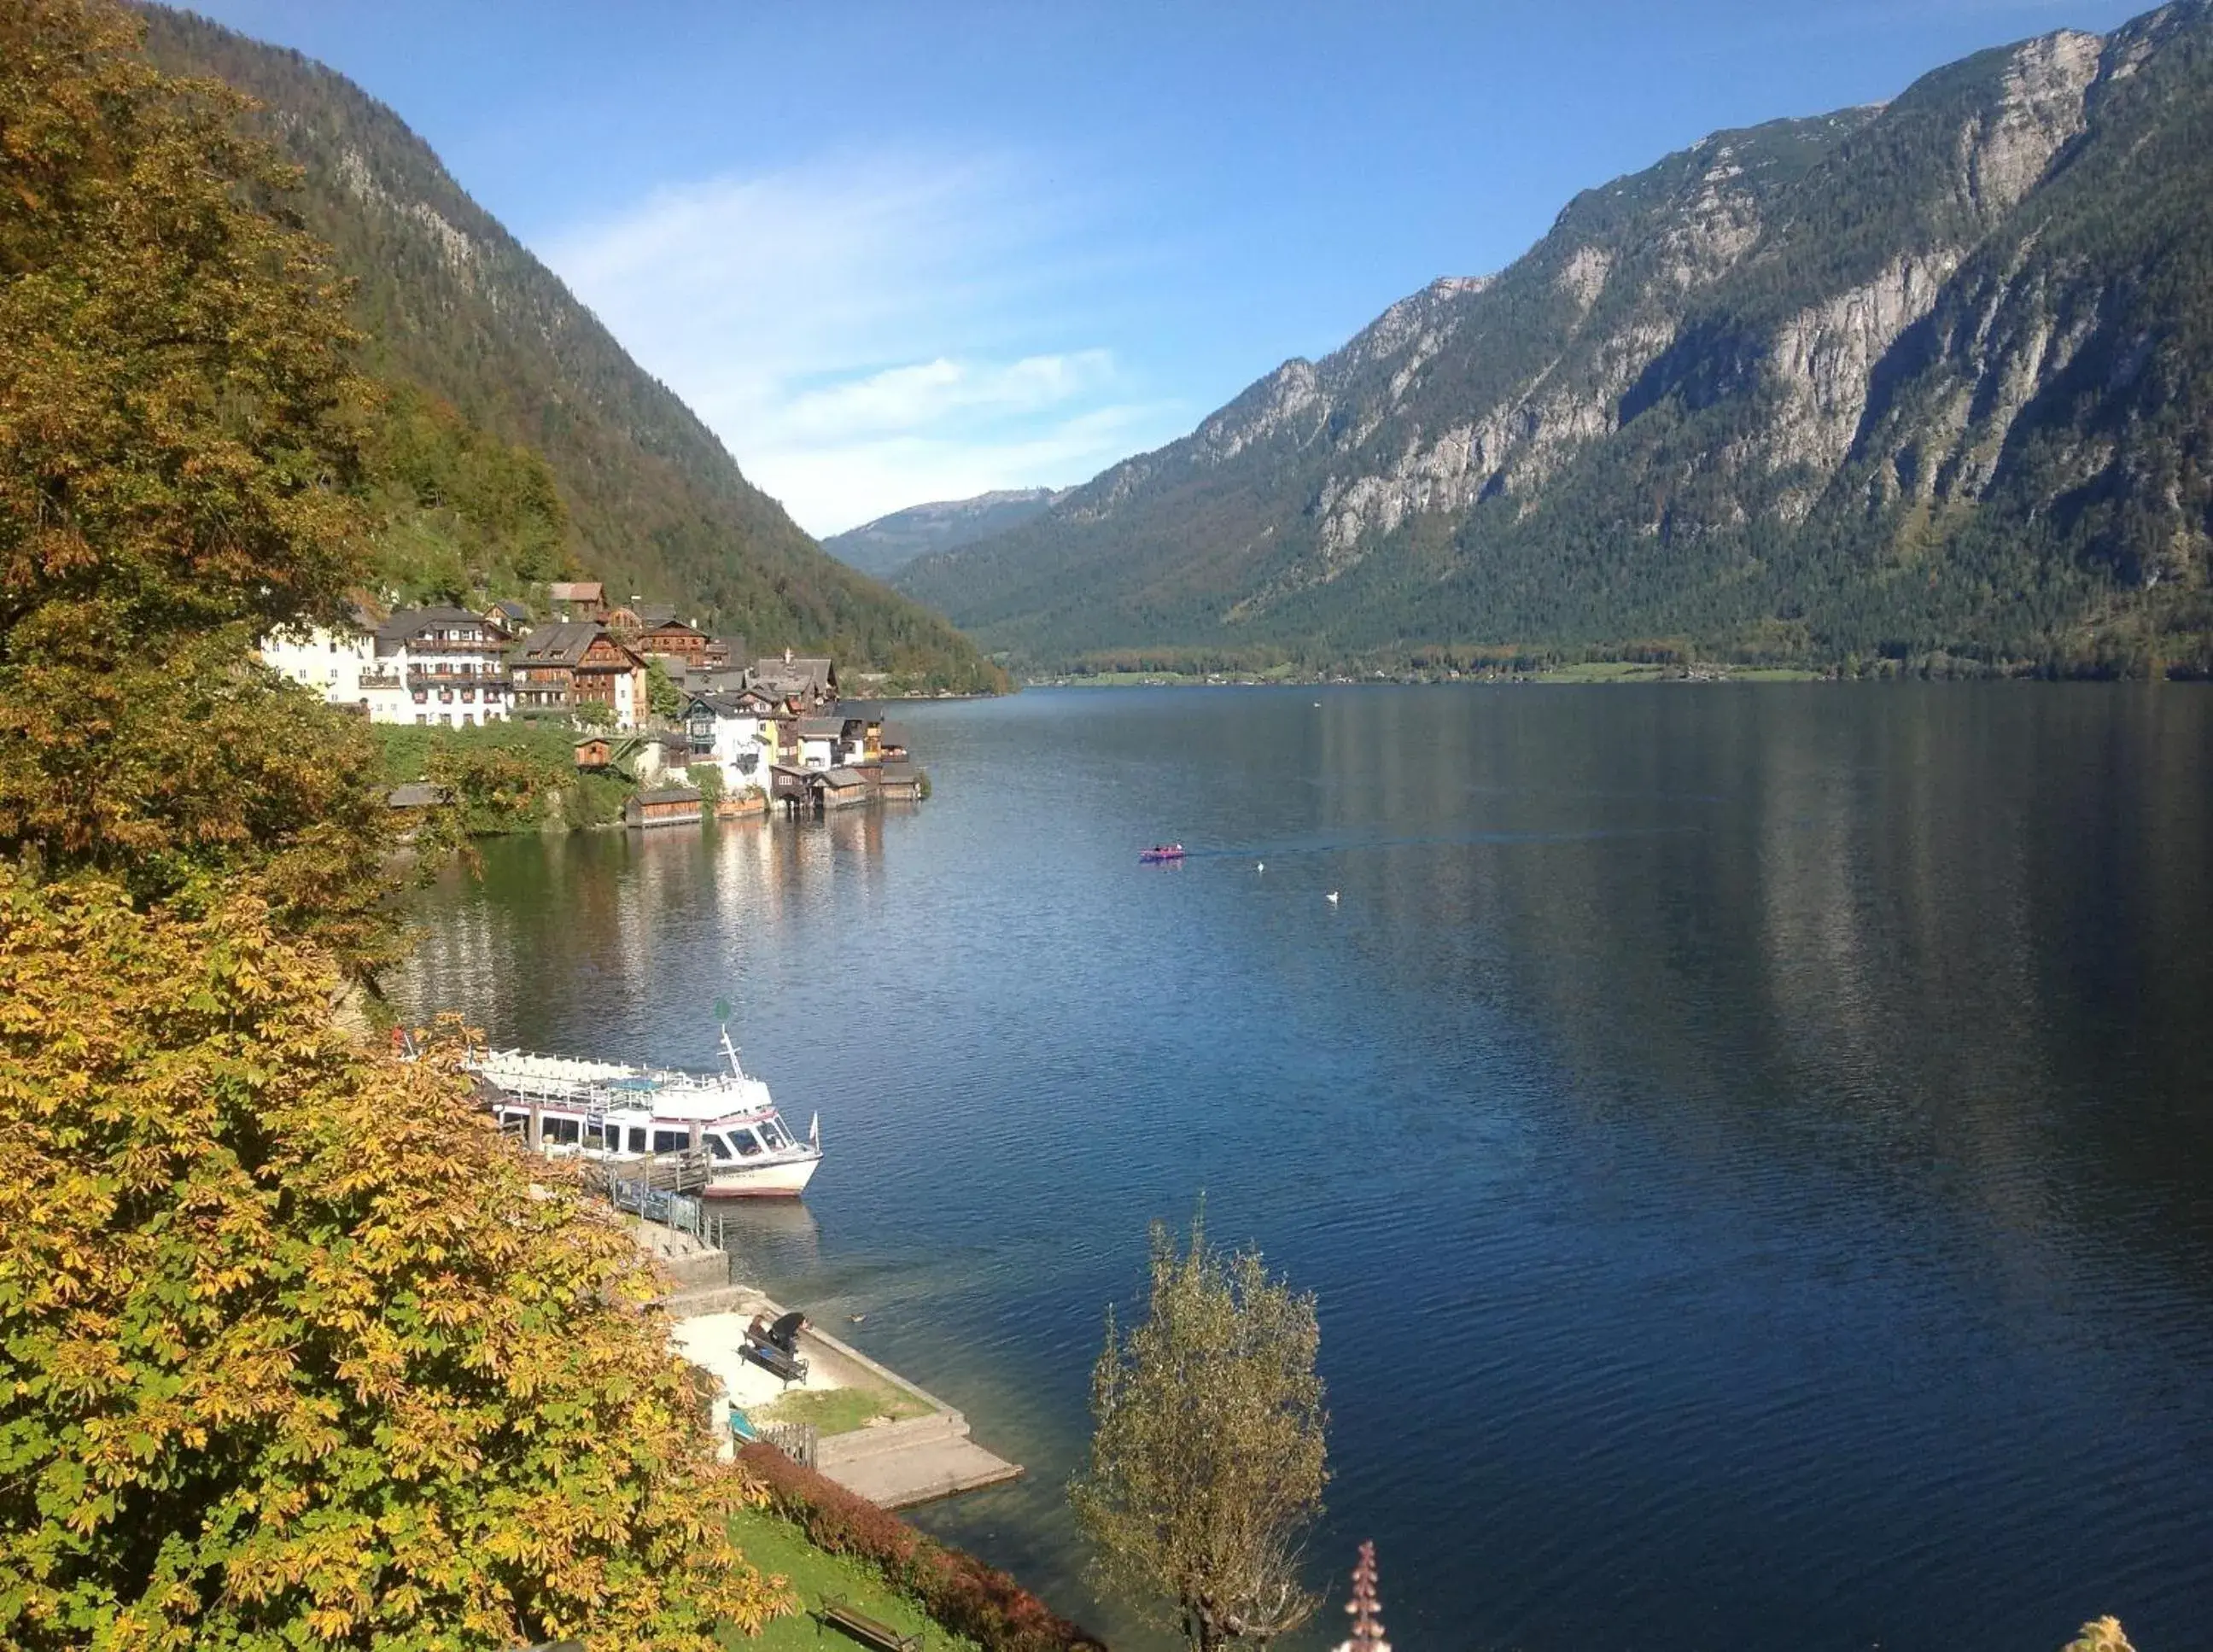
(871, 1429)
(855, 1420)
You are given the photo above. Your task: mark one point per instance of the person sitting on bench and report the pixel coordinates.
(784, 1333)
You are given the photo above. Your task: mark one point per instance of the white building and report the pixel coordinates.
(725, 730)
(431, 666)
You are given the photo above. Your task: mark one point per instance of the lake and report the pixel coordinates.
(1753, 1146)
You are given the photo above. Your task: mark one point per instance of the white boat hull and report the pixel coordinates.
(786, 1179)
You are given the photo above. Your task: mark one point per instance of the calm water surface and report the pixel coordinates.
(1753, 1148)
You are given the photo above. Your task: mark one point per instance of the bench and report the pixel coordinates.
(791, 1368)
(835, 1609)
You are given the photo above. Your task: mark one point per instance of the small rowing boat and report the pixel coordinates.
(1159, 852)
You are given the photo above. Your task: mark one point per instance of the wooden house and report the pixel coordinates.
(844, 787)
(595, 753)
(672, 639)
(577, 599)
(559, 667)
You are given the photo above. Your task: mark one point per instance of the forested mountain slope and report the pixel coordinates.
(1934, 377)
(454, 307)
(889, 543)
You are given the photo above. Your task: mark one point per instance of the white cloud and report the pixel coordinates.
(867, 332)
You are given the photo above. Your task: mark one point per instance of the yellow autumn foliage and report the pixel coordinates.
(292, 1351)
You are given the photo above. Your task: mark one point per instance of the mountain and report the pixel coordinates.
(473, 329)
(889, 543)
(1928, 379)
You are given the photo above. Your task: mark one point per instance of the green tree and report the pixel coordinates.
(662, 697)
(592, 714)
(1208, 1456)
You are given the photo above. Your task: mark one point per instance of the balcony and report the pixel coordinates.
(441, 677)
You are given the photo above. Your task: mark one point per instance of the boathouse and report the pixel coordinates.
(843, 788)
(667, 806)
(900, 781)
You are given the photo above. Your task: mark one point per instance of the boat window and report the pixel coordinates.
(638, 1138)
(718, 1148)
(564, 1130)
(744, 1142)
(593, 1136)
(772, 1135)
(671, 1141)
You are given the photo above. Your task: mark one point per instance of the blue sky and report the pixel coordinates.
(900, 252)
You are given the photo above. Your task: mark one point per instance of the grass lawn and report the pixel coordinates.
(840, 1410)
(776, 1546)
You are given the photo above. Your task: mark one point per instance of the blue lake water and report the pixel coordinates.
(1753, 1146)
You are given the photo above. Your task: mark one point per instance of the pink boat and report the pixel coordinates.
(1159, 852)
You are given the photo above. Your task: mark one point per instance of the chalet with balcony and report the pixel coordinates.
(559, 667)
(449, 666)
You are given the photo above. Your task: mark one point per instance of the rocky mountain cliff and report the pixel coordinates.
(889, 543)
(1932, 377)
(454, 307)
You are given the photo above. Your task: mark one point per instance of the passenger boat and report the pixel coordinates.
(605, 1111)
(1159, 852)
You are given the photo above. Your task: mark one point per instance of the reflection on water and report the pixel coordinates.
(1754, 1149)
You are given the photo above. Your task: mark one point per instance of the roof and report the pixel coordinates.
(795, 673)
(820, 728)
(511, 608)
(892, 734)
(899, 769)
(563, 645)
(408, 622)
(416, 794)
(654, 615)
(668, 795)
(841, 778)
(725, 704)
(591, 740)
(575, 590)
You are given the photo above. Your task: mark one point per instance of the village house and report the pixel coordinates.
(434, 666)
(674, 641)
(449, 659)
(577, 599)
(560, 667)
(338, 663)
(510, 616)
(726, 729)
(828, 741)
(724, 653)
(812, 682)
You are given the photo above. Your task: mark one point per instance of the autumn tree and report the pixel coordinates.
(293, 1351)
(1207, 1459)
(179, 429)
(293, 1354)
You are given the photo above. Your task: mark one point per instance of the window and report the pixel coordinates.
(637, 1138)
(747, 1147)
(419, 717)
(594, 1136)
(671, 1141)
(565, 1130)
(775, 1137)
(718, 1148)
